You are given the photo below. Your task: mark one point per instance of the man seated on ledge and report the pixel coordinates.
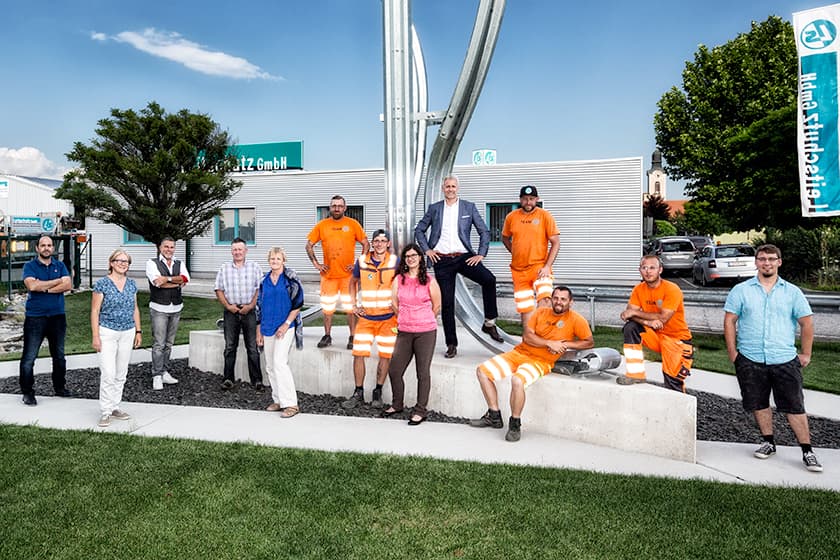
(655, 317)
(550, 332)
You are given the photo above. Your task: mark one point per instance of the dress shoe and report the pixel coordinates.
(64, 393)
(29, 399)
(492, 332)
(451, 350)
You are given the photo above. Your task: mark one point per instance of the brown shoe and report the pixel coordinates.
(451, 350)
(274, 407)
(492, 332)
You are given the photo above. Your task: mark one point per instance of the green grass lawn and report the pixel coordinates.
(88, 495)
(202, 313)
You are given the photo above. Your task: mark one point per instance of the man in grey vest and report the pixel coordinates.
(166, 276)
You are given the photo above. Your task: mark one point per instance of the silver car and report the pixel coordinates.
(724, 262)
(677, 253)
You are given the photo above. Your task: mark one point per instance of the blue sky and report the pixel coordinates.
(569, 80)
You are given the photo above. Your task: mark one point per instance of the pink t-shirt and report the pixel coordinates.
(415, 312)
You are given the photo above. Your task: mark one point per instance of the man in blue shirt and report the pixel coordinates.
(47, 279)
(759, 326)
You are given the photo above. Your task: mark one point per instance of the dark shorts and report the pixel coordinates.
(757, 380)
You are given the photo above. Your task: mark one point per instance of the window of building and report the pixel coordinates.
(496, 214)
(134, 239)
(236, 222)
(355, 212)
(656, 188)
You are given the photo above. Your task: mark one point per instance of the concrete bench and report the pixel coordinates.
(643, 418)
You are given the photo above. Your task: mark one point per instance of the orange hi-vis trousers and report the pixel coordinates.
(677, 355)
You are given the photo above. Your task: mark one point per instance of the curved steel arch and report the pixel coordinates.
(406, 92)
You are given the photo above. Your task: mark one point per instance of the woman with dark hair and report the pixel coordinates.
(416, 298)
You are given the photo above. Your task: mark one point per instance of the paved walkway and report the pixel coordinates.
(724, 462)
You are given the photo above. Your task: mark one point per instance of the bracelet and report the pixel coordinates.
(138, 332)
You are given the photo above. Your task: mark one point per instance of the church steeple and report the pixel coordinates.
(656, 176)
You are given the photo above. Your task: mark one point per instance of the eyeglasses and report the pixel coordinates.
(411, 255)
(121, 261)
(767, 259)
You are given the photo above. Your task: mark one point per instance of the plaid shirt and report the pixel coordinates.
(239, 284)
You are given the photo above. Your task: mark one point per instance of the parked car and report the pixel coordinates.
(734, 263)
(677, 253)
(700, 241)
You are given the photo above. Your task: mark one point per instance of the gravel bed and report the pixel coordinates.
(718, 418)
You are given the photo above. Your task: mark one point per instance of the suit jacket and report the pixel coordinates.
(468, 216)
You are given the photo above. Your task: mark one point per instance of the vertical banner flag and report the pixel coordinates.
(817, 110)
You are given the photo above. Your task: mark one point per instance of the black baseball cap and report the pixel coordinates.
(528, 190)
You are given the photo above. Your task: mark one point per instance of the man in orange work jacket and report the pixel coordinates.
(655, 318)
(370, 290)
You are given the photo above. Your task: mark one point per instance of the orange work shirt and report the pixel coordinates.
(338, 242)
(547, 324)
(666, 296)
(529, 232)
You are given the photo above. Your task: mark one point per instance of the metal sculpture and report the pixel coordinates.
(406, 118)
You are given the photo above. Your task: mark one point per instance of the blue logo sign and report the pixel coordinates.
(818, 34)
(47, 224)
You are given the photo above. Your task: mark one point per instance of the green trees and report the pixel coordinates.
(152, 173)
(731, 130)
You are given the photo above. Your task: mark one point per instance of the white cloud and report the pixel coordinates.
(172, 46)
(29, 162)
(98, 36)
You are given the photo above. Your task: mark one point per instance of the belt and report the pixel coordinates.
(450, 255)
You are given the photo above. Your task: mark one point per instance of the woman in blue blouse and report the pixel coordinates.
(115, 322)
(278, 306)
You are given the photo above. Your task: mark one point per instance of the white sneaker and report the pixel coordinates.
(168, 379)
(120, 414)
(157, 382)
(104, 421)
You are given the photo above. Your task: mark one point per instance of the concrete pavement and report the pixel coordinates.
(723, 462)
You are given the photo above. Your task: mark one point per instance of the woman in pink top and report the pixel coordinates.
(416, 297)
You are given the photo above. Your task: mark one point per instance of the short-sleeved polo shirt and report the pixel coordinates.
(42, 304)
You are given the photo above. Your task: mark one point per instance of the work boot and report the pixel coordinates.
(624, 380)
(376, 402)
(491, 419)
(356, 399)
(514, 429)
(325, 341)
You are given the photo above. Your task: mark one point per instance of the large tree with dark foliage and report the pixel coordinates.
(731, 130)
(153, 173)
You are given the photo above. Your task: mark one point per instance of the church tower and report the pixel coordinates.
(657, 180)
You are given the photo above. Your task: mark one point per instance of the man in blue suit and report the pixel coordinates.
(449, 249)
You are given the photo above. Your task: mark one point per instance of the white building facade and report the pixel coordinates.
(595, 204)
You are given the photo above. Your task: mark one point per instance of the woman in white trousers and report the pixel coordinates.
(279, 302)
(115, 325)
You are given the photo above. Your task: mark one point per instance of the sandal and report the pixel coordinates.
(389, 413)
(289, 411)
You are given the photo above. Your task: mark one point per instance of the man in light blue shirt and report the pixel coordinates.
(759, 326)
